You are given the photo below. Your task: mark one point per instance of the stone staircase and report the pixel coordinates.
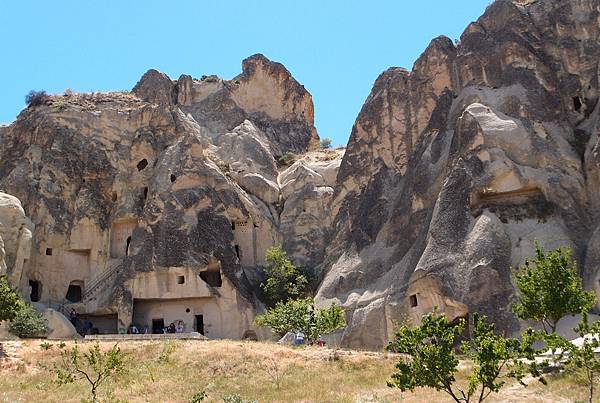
(101, 281)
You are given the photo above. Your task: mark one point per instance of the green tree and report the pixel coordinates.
(302, 316)
(431, 360)
(581, 357)
(326, 143)
(94, 366)
(28, 323)
(10, 301)
(283, 280)
(550, 288)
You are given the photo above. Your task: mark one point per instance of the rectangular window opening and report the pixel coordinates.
(180, 279)
(413, 300)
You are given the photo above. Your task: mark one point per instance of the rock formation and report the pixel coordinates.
(455, 168)
(158, 205)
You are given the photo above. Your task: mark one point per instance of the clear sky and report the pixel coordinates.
(336, 48)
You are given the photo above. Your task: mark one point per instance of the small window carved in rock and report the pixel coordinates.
(173, 178)
(180, 279)
(577, 104)
(413, 300)
(128, 242)
(145, 193)
(142, 164)
(48, 251)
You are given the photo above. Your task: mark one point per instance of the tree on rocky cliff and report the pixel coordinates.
(550, 288)
(284, 281)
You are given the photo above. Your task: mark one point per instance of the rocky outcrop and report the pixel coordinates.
(455, 168)
(15, 238)
(161, 203)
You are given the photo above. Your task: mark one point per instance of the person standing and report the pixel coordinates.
(73, 318)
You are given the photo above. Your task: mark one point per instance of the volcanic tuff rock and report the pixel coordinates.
(167, 197)
(170, 193)
(455, 168)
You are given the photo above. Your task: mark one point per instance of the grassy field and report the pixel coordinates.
(172, 371)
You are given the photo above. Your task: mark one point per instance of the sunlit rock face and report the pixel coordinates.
(455, 168)
(159, 204)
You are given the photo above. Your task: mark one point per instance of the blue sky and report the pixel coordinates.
(335, 48)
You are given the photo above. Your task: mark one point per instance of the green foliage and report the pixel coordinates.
(287, 158)
(431, 361)
(550, 288)
(580, 358)
(198, 397)
(326, 143)
(302, 316)
(167, 351)
(94, 366)
(284, 281)
(28, 323)
(46, 346)
(10, 302)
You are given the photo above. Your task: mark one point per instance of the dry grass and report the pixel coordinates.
(173, 371)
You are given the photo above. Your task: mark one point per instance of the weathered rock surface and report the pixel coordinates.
(15, 237)
(160, 204)
(455, 168)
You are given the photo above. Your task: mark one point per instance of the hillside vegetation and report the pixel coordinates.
(174, 371)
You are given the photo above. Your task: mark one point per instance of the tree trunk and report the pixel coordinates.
(591, 383)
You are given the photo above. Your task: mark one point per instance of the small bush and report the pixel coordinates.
(59, 105)
(94, 367)
(288, 158)
(10, 302)
(198, 397)
(28, 323)
(35, 98)
(45, 346)
(326, 143)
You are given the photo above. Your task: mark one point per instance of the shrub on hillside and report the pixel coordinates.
(28, 323)
(326, 143)
(35, 98)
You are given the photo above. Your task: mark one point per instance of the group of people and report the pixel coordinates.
(87, 327)
(300, 339)
(172, 328)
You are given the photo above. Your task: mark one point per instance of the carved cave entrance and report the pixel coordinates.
(75, 291)
(36, 290)
(120, 238)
